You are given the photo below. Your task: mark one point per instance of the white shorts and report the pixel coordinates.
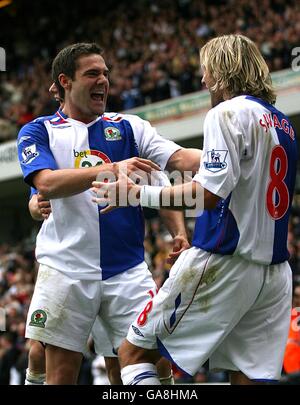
(102, 343)
(221, 308)
(63, 310)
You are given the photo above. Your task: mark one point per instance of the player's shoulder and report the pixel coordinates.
(119, 117)
(253, 108)
(247, 103)
(39, 121)
(112, 117)
(34, 127)
(233, 104)
(137, 124)
(234, 107)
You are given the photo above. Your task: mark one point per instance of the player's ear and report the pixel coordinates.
(65, 81)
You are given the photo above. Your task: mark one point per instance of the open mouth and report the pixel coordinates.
(97, 96)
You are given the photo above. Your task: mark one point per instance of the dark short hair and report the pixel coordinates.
(65, 61)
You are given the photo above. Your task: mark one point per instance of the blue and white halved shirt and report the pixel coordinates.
(249, 160)
(76, 239)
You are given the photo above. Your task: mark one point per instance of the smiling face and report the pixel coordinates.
(86, 94)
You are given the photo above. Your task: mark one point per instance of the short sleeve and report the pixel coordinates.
(220, 165)
(33, 150)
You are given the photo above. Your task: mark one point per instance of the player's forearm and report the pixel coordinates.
(188, 196)
(174, 222)
(67, 182)
(181, 197)
(184, 196)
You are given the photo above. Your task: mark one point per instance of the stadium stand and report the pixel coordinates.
(152, 59)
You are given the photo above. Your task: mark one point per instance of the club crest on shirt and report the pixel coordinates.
(38, 318)
(29, 153)
(112, 134)
(216, 160)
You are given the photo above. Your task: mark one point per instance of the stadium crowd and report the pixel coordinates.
(152, 46)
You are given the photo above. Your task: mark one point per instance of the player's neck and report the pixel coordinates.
(75, 114)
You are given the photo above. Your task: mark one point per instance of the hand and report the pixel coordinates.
(136, 163)
(121, 193)
(137, 169)
(180, 243)
(44, 206)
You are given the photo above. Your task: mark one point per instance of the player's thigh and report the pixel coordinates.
(124, 297)
(62, 310)
(102, 343)
(257, 344)
(204, 298)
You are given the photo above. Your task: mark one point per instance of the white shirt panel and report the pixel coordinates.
(150, 144)
(77, 231)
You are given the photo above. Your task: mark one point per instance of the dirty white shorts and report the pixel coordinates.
(63, 310)
(221, 308)
(102, 343)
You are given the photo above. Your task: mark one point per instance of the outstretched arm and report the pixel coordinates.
(188, 195)
(67, 182)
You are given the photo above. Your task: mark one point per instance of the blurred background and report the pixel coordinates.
(151, 48)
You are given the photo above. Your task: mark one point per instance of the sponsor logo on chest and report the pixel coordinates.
(89, 158)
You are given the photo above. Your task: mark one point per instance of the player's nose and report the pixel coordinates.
(102, 79)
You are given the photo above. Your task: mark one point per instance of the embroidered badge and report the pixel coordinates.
(38, 318)
(112, 134)
(29, 153)
(216, 160)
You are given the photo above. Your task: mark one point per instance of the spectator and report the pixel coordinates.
(291, 362)
(8, 356)
(153, 58)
